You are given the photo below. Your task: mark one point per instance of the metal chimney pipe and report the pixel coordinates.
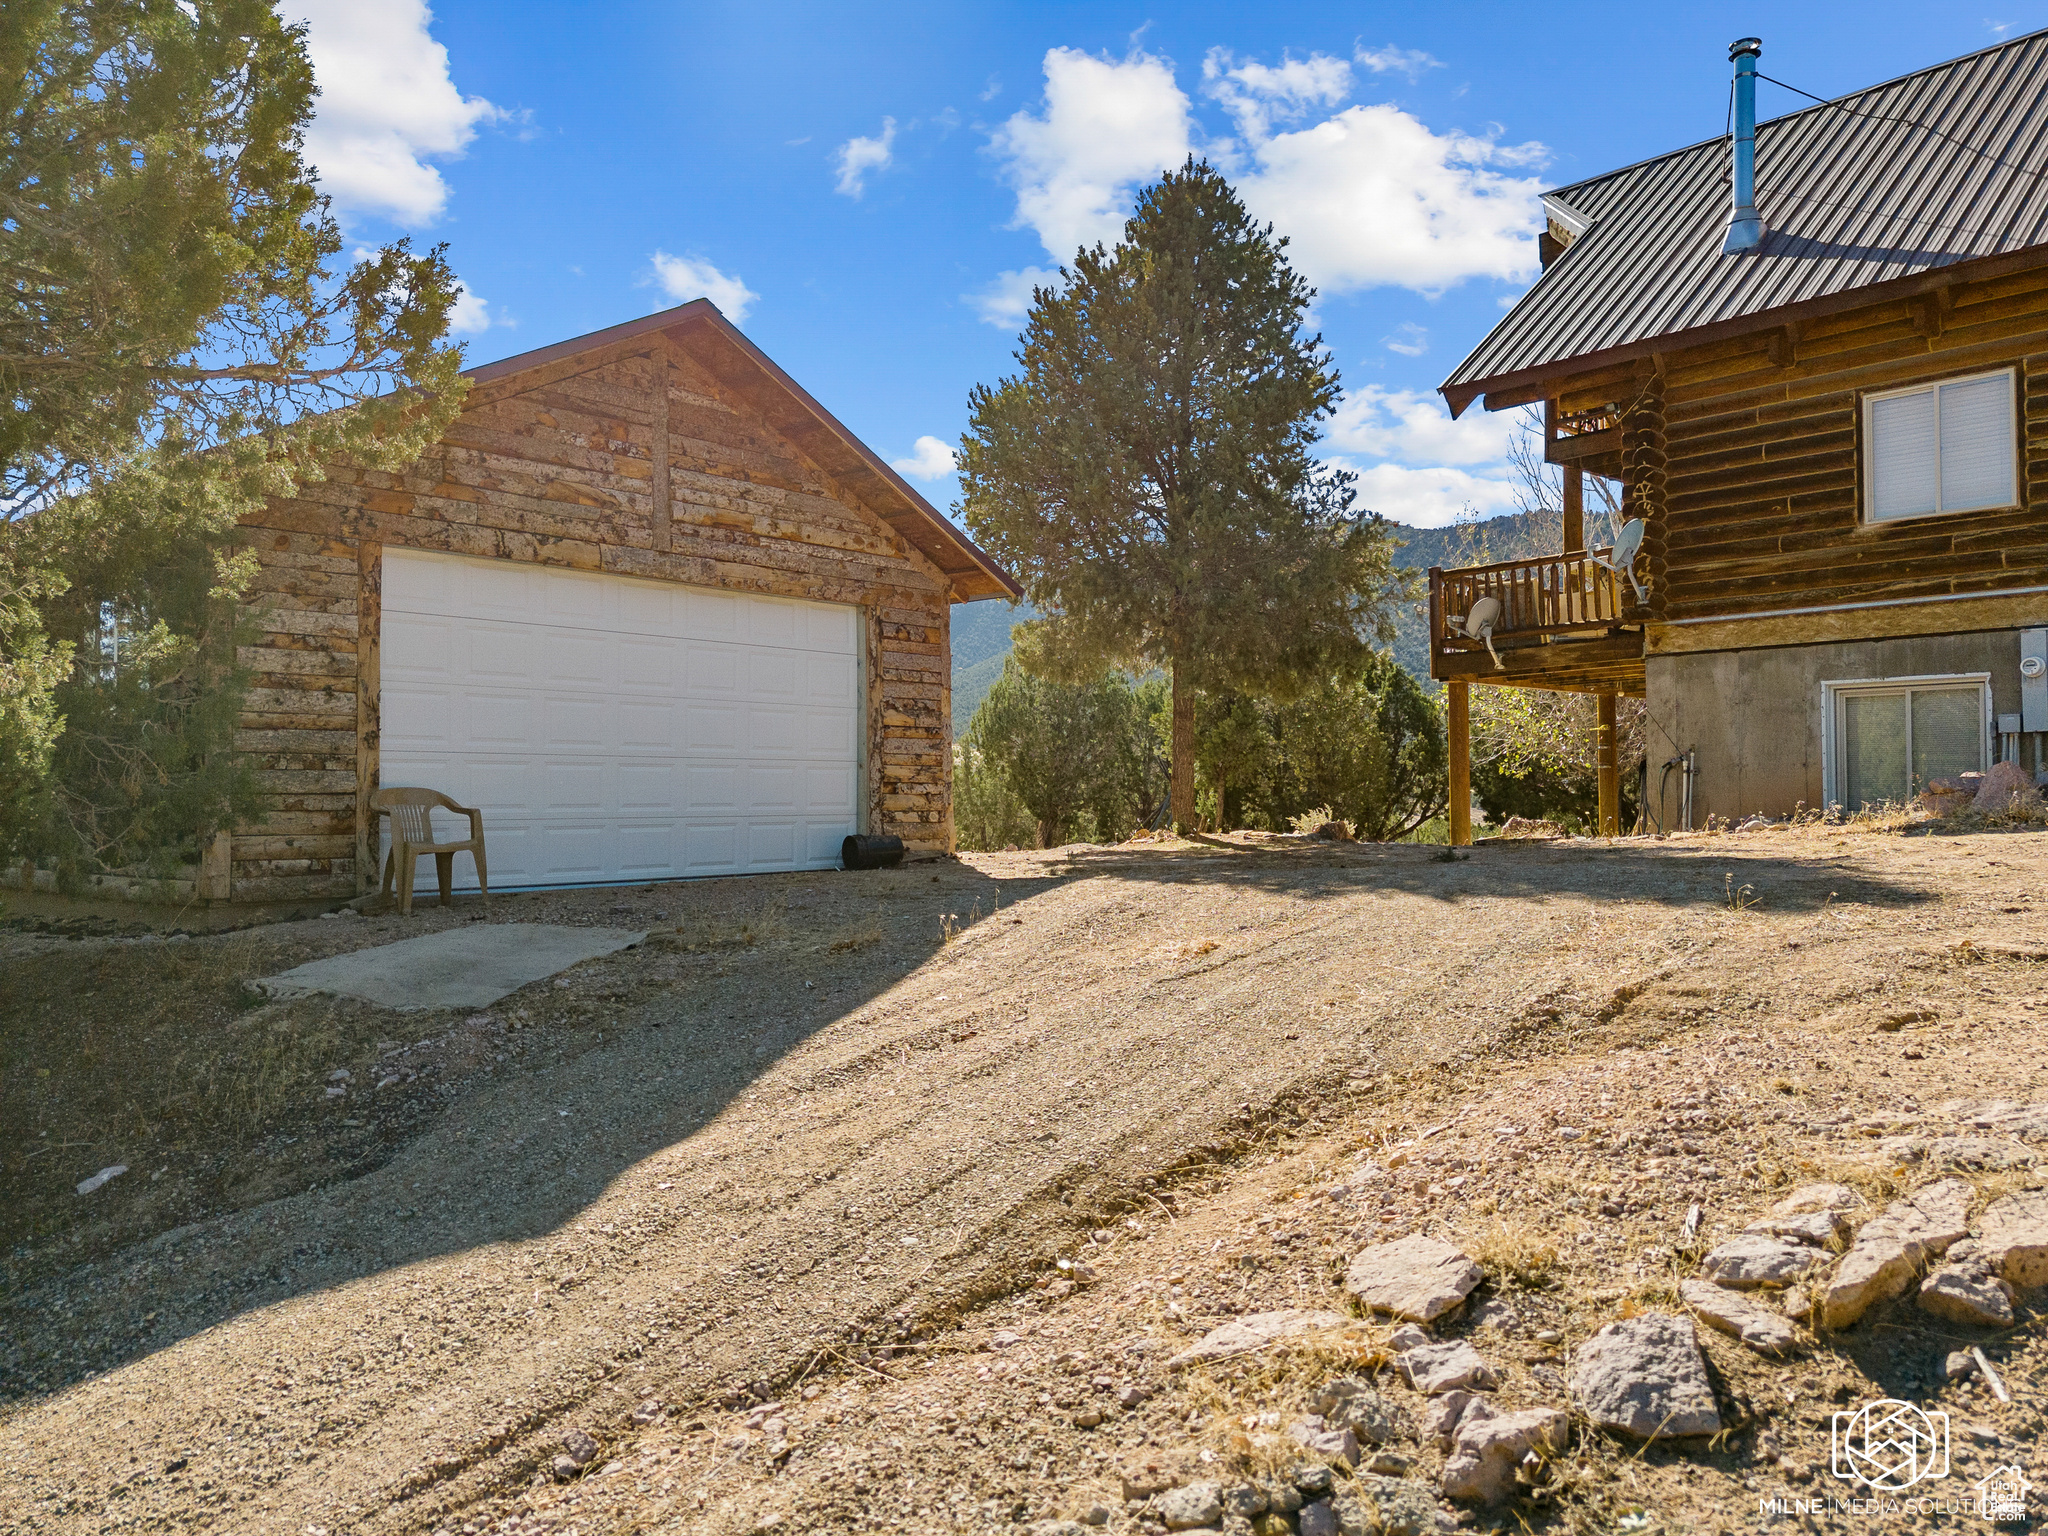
(1745, 229)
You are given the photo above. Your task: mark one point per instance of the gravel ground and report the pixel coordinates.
(818, 1143)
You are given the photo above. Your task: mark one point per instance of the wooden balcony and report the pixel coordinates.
(1566, 623)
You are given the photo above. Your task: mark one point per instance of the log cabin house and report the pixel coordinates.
(646, 603)
(1814, 354)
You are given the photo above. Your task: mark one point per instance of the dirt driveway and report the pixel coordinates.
(844, 1122)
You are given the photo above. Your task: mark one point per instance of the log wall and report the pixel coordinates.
(561, 465)
(1763, 457)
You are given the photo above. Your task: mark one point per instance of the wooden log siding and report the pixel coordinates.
(560, 465)
(1764, 438)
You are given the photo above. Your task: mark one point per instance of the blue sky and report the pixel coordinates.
(870, 190)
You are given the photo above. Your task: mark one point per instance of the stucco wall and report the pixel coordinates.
(1755, 717)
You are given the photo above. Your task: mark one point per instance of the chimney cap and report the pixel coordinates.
(1749, 45)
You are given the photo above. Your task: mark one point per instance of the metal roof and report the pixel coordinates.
(1848, 201)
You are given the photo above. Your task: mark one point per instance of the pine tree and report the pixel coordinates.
(178, 341)
(1150, 474)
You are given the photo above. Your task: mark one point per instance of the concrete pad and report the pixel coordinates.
(467, 967)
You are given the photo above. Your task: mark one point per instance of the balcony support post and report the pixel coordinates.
(1460, 701)
(1574, 510)
(1610, 769)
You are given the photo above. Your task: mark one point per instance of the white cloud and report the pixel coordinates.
(1107, 125)
(1007, 300)
(1430, 498)
(472, 313)
(1257, 95)
(684, 278)
(859, 156)
(386, 108)
(1369, 195)
(1409, 339)
(1372, 196)
(1413, 426)
(929, 459)
(1391, 60)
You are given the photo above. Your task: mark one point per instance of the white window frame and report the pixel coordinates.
(1933, 387)
(1832, 694)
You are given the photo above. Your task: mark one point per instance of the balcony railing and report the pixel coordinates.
(1559, 595)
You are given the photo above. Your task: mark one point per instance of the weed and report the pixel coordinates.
(861, 936)
(1517, 1251)
(949, 926)
(1740, 898)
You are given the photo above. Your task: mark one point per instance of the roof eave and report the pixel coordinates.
(1458, 395)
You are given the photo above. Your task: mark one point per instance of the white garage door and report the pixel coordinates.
(620, 730)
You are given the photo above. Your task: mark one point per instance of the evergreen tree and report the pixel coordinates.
(1149, 472)
(178, 341)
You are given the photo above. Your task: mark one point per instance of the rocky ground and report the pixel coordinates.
(881, 1237)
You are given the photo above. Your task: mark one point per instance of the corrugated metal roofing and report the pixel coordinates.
(1847, 201)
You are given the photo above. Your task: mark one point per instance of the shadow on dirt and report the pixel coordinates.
(566, 1084)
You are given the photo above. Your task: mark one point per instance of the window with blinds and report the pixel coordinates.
(1947, 447)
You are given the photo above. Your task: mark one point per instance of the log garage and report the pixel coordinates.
(647, 603)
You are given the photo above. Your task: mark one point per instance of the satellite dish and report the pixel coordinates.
(1627, 545)
(1479, 626)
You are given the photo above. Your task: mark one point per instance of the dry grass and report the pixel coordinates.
(1515, 1251)
(861, 935)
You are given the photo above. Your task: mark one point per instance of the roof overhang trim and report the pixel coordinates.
(1518, 383)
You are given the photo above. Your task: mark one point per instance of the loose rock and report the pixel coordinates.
(1890, 1249)
(581, 1448)
(1449, 1411)
(1751, 1261)
(1417, 1278)
(1255, 1331)
(2014, 1237)
(1765, 1331)
(1349, 1403)
(1318, 1519)
(1434, 1368)
(1317, 1437)
(1645, 1377)
(1820, 1228)
(1389, 1506)
(1966, 1294)
(1818, 1197)
(1197, 1504)
(1481, 1468)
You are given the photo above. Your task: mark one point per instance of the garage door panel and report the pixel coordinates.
(647, 850)
(713, 669)
(618, 729)
(830, 680)
(648, 726)
(830, 734)
(828, 792)
(646, 664)
(493, 720)
(712, 789)
(577, 785)
(575, 851)
(771, 675)
(416, 719)
(772, 789)
(830, 629)
(648, 788)
(713, 616)
(569, 721)
(771, 844)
